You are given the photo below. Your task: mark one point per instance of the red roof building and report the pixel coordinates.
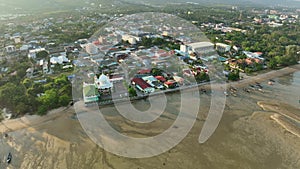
(160, 78)
(142, 85)
(144, 71)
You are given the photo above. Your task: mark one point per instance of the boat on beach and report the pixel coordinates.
(271, 80)
(246, 90)
(8, 159)
(225, 93)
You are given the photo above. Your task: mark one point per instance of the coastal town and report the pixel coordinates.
(149, 84)
(137, 62)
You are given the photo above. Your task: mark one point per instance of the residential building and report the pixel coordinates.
(10, 48)
(131, 39)
(198, 47)
(221, 47)
(142, 85)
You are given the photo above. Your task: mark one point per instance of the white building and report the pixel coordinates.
(32, 53)
(103, 82)
(101, 40)
(24, 47)
(59, 60)
(221, 47)
(131, 39)
(17, 39)
(10, 48)
(198, 47)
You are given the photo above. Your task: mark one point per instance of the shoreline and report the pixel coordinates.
(35, 120)
(211, 85)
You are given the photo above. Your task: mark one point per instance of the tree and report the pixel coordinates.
(64, 100)
(27, 83)
(202, 77)
(42, 54)
(272, 63)
(49, 99)
(131, 91)
(234, 75)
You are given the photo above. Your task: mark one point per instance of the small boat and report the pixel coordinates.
(252, 87)
(9, 157)
(226, 94)
(260, 86)
(271, 80)
(233, 94)
(233, 88)
(203, 90)
(246, 90)
(270, 83)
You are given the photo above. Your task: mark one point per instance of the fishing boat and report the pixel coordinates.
(259, 86)
(225, 93)
(9, 157)
(233, 88)
(247, 90)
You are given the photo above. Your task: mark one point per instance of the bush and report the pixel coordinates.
(131, 91)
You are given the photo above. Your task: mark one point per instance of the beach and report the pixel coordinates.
(257, 130)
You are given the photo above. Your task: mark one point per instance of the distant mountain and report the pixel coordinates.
(21, 6)
(290, 3)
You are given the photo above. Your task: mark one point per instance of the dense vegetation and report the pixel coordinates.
(23, 95)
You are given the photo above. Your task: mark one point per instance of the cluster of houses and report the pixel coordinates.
(147, 82)
(276, 19)
(221, 27)
(149, 66)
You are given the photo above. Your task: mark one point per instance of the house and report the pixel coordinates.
(171, 84)
(250, 61)
(178, 79)
(198, 47)
(29, 72)
(17, 39)
(188, 72)
(142, 85)
(160, 79)
(10, 48)
(131, 39)
(233, 63)
(32, 53)
(59, 60)
(24, 47)
(153, 82)
(144, 71)
(221, 47)
(45, 67)
(256, 55)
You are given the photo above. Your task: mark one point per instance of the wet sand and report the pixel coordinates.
(249, 136)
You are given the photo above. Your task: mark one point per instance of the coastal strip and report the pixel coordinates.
(33, 120)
